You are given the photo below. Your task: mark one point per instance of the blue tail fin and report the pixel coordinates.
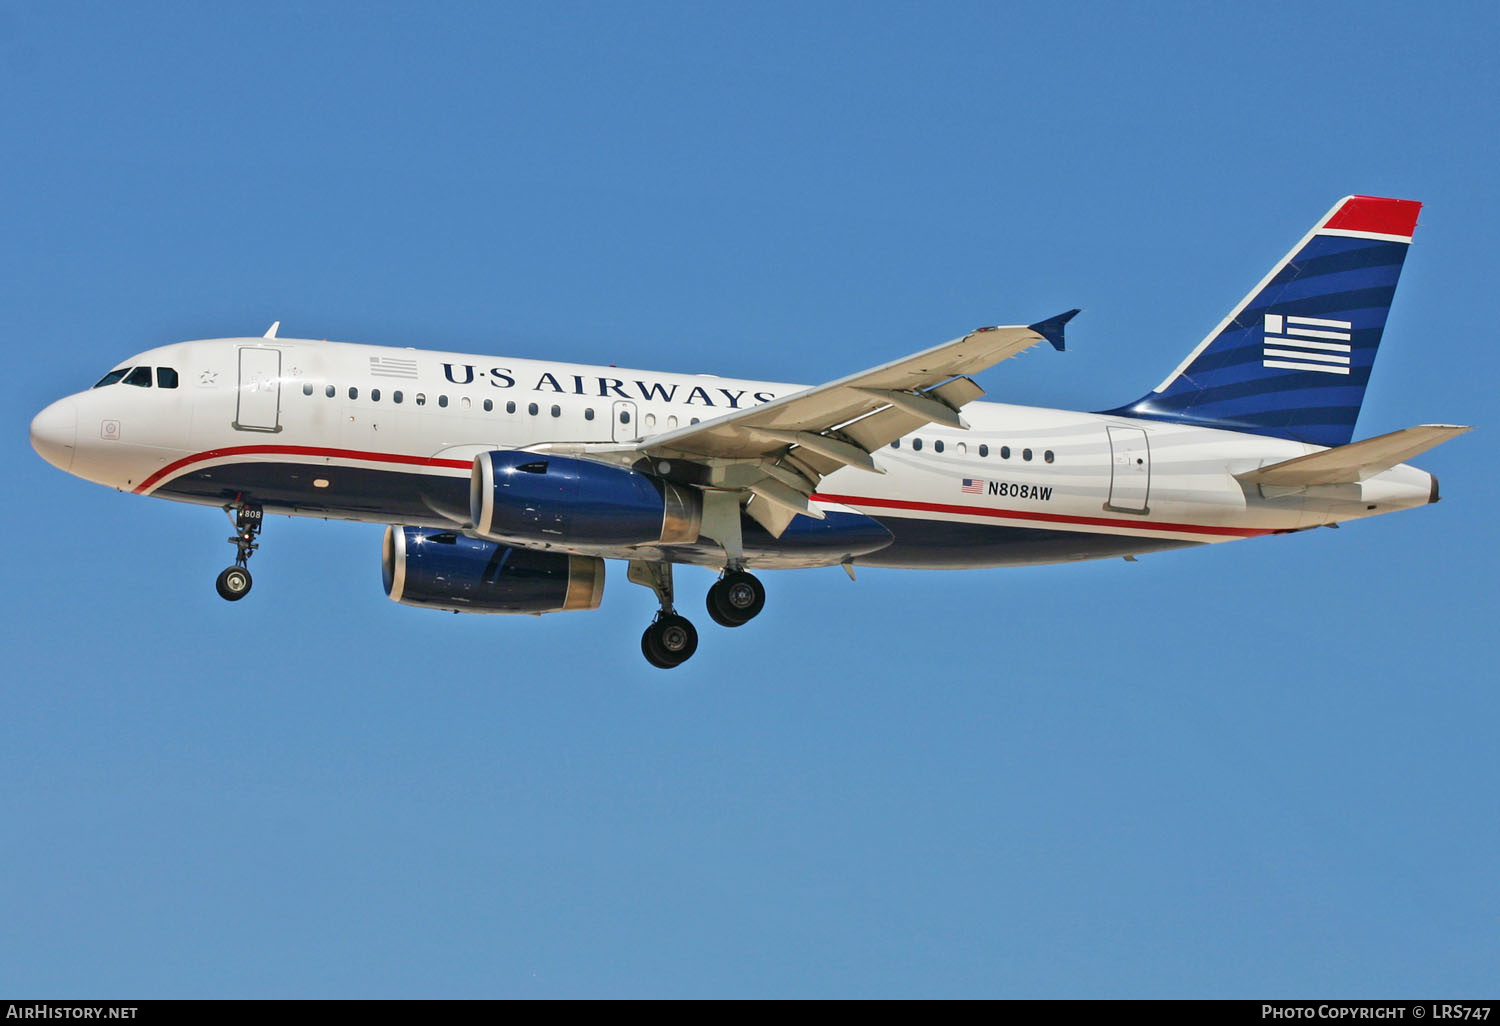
(1293, 358)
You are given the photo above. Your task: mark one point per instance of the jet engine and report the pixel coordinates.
(559, 500)
(445, 570)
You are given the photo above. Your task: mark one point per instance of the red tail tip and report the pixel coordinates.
(1376, 214)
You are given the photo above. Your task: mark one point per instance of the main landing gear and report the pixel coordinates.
(234, 582)
(735, 598)
(671, 640)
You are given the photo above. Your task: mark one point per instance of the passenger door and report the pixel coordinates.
(259, 402)
(1130, 470)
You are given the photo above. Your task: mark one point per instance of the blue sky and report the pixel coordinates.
(1264, 768)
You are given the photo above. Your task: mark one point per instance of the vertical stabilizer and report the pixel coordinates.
(1293, 358)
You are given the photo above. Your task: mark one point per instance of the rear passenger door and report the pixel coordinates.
(1130, 470)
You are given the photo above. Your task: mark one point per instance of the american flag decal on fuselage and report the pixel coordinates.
(1307, 343)
(971, 486)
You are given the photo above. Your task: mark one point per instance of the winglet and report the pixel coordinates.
(271, 331)
(1052, 328)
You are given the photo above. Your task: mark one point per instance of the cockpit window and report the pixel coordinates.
(140, 376)
(166, 377)
(112, 377)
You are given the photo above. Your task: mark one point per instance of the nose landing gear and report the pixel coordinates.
(235, 581)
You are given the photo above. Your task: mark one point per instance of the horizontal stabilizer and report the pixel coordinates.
(1347, 464)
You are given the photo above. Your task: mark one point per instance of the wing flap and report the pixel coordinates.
(883, 427)
(770, 516)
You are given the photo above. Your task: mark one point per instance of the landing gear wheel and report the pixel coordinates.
(234, 583)
(669, 641)
(735, 599)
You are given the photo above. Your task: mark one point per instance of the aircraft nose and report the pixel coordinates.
(54, 433)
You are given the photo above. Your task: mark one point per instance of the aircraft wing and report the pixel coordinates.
(778, 452)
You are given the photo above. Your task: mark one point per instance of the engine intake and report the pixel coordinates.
(564, 501)
(446, 570)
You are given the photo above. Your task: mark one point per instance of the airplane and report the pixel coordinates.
(507, 483)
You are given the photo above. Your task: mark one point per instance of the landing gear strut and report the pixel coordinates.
(234, 582)
(670, 640)
(736, 598)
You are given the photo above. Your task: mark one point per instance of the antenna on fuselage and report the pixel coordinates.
(271, 331)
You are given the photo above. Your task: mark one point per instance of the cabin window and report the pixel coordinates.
(671, 422)
(650, 421)
(510, 407)
(112, 377)
(166, 377)
(421, 398)
(1005, 452)
(588, 413)
(896, 444)
(353, 392)
(307, 388)
(396, 397)
(624, 416)
(1047, 455)
(937, 446)
(464, 403)
(532, 409)
(443, 401)
(984, 450)
(489, 404)
(693, 421)
(140, 377)
(375, 395)
(916, 444)
(328, 391)
(557, 411)
(1026, 455)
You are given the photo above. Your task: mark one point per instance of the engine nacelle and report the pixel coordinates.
(446, 570)
(564, 501)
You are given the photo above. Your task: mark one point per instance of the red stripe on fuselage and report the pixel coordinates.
(1052, 518)
(847, 500)
(297, 450)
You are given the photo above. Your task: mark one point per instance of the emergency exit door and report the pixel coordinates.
(1130, 470)
(259, 406)
(624, 417)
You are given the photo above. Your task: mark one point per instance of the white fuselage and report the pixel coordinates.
(316, 429)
